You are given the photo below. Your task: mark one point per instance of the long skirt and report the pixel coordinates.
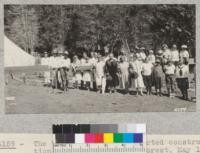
(99, 80)
(78, 77)
(112, 81)
(124, 83)
(87, 76)
(137, 83)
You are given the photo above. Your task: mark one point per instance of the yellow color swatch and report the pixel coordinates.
(108, 137)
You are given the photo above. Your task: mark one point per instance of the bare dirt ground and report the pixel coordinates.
(36, 99)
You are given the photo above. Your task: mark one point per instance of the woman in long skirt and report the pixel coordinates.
(124, 74)
(99, 73)
(137, 83)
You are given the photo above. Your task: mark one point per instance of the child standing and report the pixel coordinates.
(169, 70)
(157, 77)
(147, 71)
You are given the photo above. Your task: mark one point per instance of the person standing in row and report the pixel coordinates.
(182, 79)
(174, 55)
(169, 70)
(93, 62)
(99, 74)
(87, 79)
(77, 74)
(184, 55)
(146, 72)
(124, 74)
(151, 57)
(137, 83)
(111, 70)
(157, 77)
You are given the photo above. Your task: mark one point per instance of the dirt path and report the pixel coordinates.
(38, 99)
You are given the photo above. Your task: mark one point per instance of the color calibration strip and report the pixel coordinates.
(99, 133)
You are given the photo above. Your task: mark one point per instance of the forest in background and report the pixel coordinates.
(39, 28)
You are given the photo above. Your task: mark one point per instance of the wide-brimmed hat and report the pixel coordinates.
(174, 46)
(160, 51)
(157, 61)
(164, 45)
(151, 51)
(184, 46)
(142, 48)
(66, 52)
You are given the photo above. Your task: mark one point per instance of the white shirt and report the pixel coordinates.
(55, 62)
(83, 61)
(66, 62)
(100, 68)
(185, 71)
(142, 55)
(184, 54)
(169, 69)
(151, 58)
(93, 61)
(167, 54)
(174, 55)
(147, 69)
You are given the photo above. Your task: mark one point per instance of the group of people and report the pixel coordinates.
(127, 71)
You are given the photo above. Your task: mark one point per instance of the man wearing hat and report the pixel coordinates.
(158, 77)
(66, 60)
(184, 54)
(63, 70)
(54, 66)
(182, 72)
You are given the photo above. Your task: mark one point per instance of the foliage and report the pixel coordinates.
(84, 26)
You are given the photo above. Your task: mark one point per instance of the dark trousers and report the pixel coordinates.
(148, 82)
(183, 85)
(170, 82)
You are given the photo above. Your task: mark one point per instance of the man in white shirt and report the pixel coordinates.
(182, 72)
(66, 61)
(184, 54)
(147, 67)
(174, 55)
(63, 70)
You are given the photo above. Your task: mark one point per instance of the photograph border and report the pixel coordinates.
(158, 122)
